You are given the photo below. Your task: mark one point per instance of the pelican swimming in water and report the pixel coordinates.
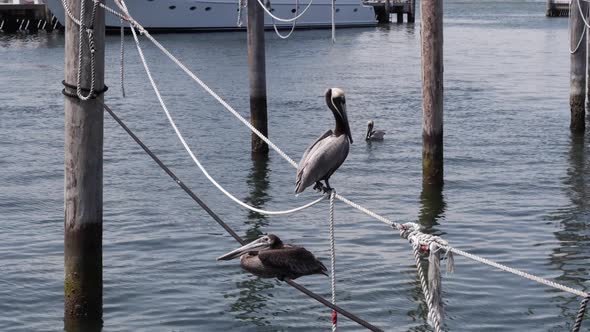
(323, 157)
(373, 135)
(268, 257)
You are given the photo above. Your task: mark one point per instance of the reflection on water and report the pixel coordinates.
(82, 326)
(432, 205)
(251, 302)
(572, 257)
(258, 183)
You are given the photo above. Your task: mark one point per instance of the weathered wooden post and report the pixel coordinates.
(83, 175)
(432, 91)
(257, 69)
(577, 67)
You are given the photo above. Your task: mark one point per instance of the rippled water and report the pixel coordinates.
(516, 187)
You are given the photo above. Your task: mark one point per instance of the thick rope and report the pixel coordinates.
(515, 271)
(122, 67)
(90, 34)
(570, 27)
(295, 18)
(227, 228)
(240, 11)
(580, 316)
(188, 149)
(581, 14)
(433, 319)
(333, 261)
(435, 283)
(274, 25)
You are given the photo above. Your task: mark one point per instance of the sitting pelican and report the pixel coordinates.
(373, 135)
(268, 257)
(323, 157)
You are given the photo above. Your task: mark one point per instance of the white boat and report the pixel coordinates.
(223, 14)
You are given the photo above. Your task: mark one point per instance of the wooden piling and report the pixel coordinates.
(257, 73)
(400, 17)
(83, 177)
(577, 67)
(432, 91)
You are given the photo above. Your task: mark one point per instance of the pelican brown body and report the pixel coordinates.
(373, 135)
(268, 257)
(323, 157)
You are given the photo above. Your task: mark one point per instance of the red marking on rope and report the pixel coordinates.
(334, 317)
(424, 247)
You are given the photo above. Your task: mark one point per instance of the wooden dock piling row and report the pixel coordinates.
(557, 8)
(385, 8)
(26, 17)
(83, 178)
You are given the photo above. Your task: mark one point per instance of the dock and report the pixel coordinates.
(557, 8)
(26, 16)
(385, 8)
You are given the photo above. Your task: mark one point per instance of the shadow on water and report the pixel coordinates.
(251, 303)
(432, 209)
(572, 257)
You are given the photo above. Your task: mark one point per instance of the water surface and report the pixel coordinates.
(516, 187)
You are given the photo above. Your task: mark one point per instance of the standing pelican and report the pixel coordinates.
(268, 257)
(323, 157)
(373, 135)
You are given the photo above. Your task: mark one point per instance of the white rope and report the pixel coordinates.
(434, 318)
(581, 14)
(579, 41)
(188, 149)
(122, 68)
(2, 25)
(283, 19)
(515, 271)
(333, 260)
(405, 229)
(274, 25)
(240, 8)
(89, 32)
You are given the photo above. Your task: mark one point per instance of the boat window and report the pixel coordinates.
(193, 8)
(207, 8)
(172, 7)
(337, 9)
(293, 10)
(355, 10)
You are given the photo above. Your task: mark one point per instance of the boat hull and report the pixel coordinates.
(223, 15)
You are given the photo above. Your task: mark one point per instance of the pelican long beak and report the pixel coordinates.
(341, 108)
(252, 246)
